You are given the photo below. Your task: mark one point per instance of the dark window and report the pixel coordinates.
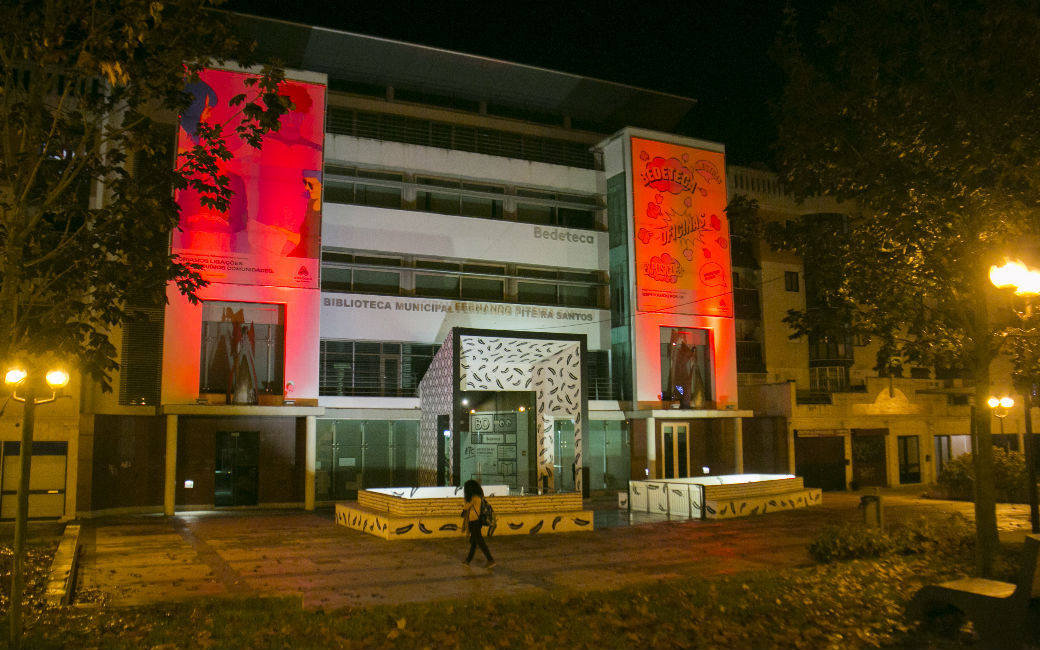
(791, 280)
(370, 368)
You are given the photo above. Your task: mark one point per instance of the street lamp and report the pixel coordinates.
(25, 387)
(1026, 283)
(1000, 409)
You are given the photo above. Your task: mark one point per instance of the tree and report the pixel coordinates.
(923, 117)
(89, 99)
(87, 173)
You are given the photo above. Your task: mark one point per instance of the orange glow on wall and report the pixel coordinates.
(270, 234)
(682, 257)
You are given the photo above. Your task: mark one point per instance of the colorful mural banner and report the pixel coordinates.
(270, 234)
(682, 247)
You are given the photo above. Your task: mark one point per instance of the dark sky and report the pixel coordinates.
(715, 52)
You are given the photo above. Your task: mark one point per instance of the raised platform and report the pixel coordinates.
(721, 497)
(420, 513)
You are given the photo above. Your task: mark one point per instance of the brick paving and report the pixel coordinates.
(151, 558)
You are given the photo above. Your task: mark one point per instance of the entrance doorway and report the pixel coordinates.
(820, 461)
(237, 478)
(673, 452)
(869, 458)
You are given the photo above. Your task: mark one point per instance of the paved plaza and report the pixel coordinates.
(150, 558)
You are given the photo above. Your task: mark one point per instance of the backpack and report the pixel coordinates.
(487, 514)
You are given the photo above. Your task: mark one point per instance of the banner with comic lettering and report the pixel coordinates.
(682, 247)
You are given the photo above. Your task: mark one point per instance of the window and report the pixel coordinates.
(357, 189)
(243, 350)
(382, 369)
(556, 209)
(459, 198)
(909, 459)
(791, 280)
(140, 376)
(687, 370)
(361, 274)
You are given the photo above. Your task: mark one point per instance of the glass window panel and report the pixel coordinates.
(335, 279)
(536, 273)
(536, 292)
(530, 213)
(439, 286)
(436, 264)
(572, 218)
(484, 268)
(377, 281)
(243, 350)
(482, 288)
(437, 202)
(338, 193)
(479, 207)
(379, 196)
(378, 261)
(583, 296)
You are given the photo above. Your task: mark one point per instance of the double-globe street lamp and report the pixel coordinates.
(1026, 284)
(26, 387)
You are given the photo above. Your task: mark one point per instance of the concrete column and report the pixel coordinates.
(651, 446)
(311, 454)
(170, 483)
(738, 445)
(790, 448)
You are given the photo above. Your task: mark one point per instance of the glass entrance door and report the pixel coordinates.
(563, 463)
(674, 451)
(237, 469)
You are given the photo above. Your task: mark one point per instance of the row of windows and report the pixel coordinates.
(385, 189)
(445, 135)
(396, 276)
(394, 369)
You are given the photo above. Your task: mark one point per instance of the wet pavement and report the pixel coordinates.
(151, 558)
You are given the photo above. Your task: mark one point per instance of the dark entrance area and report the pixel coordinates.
(236, 481)
(868, 457)
(820, 461)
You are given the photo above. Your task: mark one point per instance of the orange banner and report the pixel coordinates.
(682, 250)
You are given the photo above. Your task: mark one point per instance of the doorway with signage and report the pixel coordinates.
(498, 439)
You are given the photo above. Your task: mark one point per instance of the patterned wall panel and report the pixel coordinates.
(552, 369)
(435, 398)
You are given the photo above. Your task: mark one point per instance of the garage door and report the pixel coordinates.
(46, 480)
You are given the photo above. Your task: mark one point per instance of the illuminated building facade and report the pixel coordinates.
(442, 267)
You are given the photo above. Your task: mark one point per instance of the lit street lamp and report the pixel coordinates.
(1026, 283)
(1000, 409)
(24, 388)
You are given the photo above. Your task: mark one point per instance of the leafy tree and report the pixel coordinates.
(88, 107)
(924, 117)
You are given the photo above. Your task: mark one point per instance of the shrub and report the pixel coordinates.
(954, 535)
(1009, 477)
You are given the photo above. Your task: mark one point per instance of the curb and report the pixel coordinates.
(63, 568)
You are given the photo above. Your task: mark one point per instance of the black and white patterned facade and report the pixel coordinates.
(435, 398)
(505, 361)
(550, 368)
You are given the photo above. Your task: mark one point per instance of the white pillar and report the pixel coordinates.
(738, 445)
(651, 447)
(311, 454)
(170, 483)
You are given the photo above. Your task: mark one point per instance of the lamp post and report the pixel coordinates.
(24, 388)
(1026, 283)
(1000, 408)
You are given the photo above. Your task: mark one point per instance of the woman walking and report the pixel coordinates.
(474, 497)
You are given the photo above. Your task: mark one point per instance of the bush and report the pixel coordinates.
(856, 541)
(1009, 477)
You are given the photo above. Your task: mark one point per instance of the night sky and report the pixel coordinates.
(716, 53)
